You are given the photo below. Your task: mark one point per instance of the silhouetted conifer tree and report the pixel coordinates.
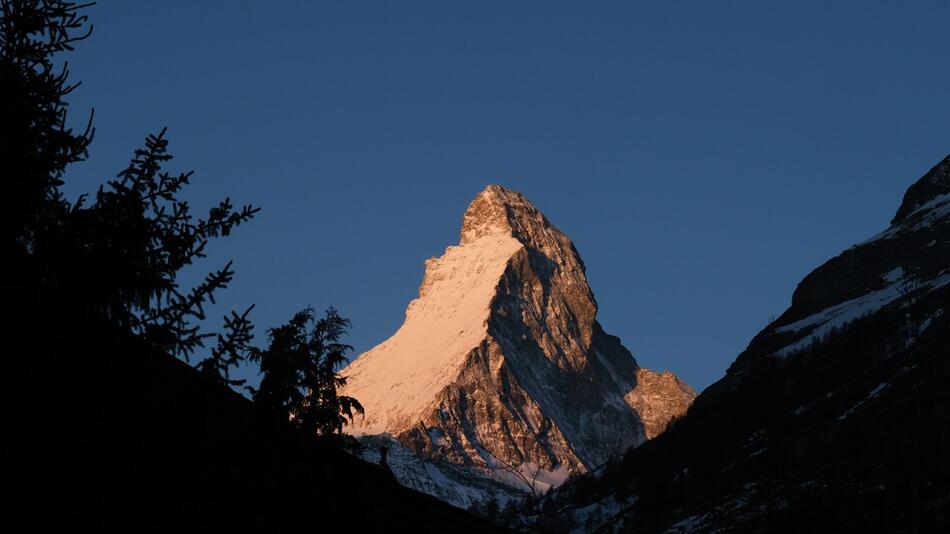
(36, 145)
(125, 250)
(299, 373)
(118, 256)
(231, 349)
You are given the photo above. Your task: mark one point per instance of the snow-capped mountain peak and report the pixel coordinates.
(501, 362)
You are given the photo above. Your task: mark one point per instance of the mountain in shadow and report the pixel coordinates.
(836, 418)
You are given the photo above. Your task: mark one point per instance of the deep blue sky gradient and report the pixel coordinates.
(703, 156)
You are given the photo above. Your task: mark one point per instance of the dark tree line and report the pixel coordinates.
(117, 253)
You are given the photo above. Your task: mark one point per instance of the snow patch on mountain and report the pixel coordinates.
(873, 394)
(397, 378)
(448, 482)
(927, 214)
(837, 316)
(825, 321)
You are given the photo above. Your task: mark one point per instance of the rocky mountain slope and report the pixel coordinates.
(836, 416)
(501, 362)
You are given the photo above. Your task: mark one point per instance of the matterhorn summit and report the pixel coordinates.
(501, 361)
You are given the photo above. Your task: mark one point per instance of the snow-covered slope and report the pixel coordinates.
(500, 362)
(396, 379)
(446, 481)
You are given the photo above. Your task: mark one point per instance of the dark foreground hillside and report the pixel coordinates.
(101, 430)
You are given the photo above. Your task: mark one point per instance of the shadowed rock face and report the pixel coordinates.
(931, 186)
(835, 418)
(501, 359)
(909, 256)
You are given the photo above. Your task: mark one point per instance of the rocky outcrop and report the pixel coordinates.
(931, 186)
(658, 399)
(501, 363)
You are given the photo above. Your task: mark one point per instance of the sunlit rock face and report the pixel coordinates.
(501, 359)
(658, 398)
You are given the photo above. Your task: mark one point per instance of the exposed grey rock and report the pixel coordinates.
(501, 361)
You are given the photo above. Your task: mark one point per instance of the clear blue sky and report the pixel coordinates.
(703, 156)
